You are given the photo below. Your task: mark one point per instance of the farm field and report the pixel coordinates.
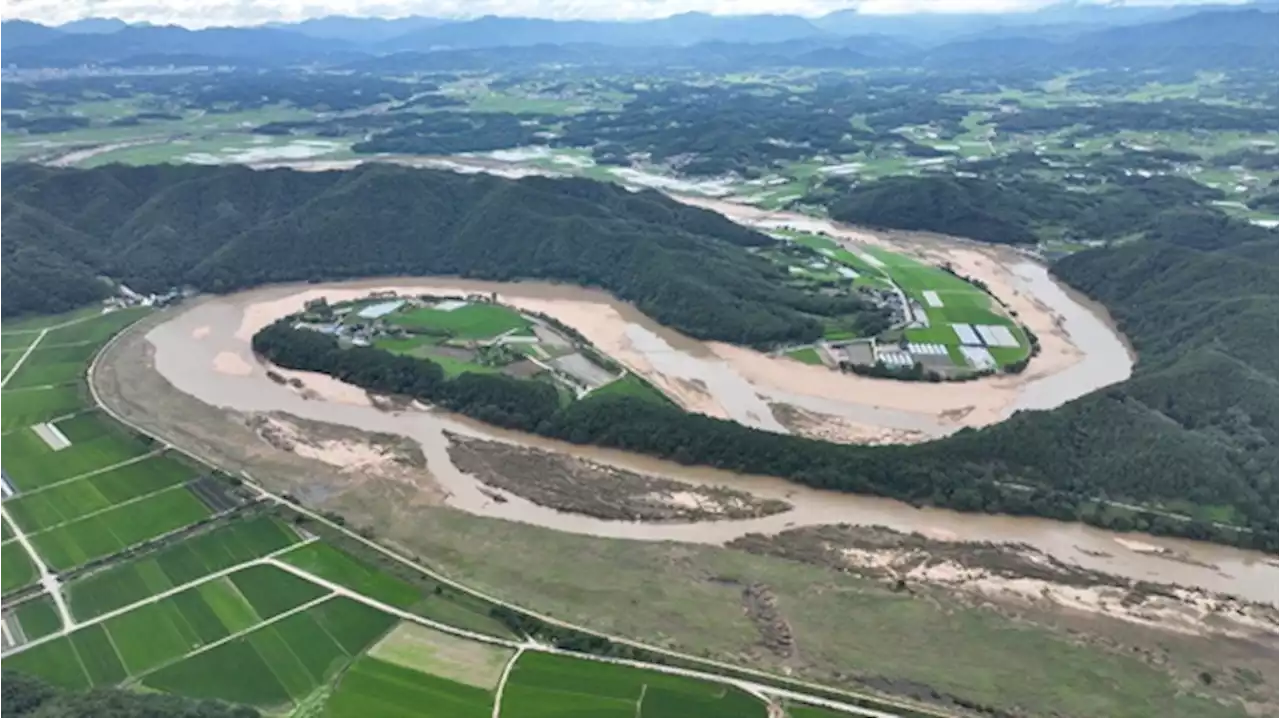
(53, 365)
(407, 590)
(942, 297)
(95, 444)
(474, 321)
(101, 534)
(16, 568)
(549, 685)
(375, 687)
(38, 617)
(175, 565)
(24, 407)
(62, 503)
(632, 385)
(331, 564)
(280, 663)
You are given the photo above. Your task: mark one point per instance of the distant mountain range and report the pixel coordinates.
(1073, 33)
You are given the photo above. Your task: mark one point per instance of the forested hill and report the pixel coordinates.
(224, 228)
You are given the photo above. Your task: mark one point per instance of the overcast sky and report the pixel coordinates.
(203, 13)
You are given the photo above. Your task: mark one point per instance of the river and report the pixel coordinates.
(203, 350)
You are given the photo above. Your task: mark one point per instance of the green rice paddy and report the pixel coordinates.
(65, 502)
(331, 564)
(25, 407)
(632, 385)
(38, 617)
(377, 688)
(16, 568)
(542, 685)
(175, 565)
(102, 534)
(474, 321)
(281, 663)
(53, 365)
(806, 355)
(95, 444)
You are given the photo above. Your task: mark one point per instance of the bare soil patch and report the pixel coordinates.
(440, 654)
(585, 487)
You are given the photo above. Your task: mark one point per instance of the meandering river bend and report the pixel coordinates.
(204, 350)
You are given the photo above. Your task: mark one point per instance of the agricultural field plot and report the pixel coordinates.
(175, 565)
(374, 687)
(632, 385)
(16, 568)
(93, 332)
(16, 343)
(9, 359)
(102, 534)
(542, 685)
(452, 658)
(424, 597)
(33, 324)
(62, 503)
(473, 321)
(96, 443)
(53, 365)
(331, 564)
(280, 663)
(7, 530)
(162, 632)
(806, 355)
(37, 617)
(24, 407)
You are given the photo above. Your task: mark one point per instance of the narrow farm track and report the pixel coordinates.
(71, 627)
(755, 688)
(22, 359)
(48, 578)
(502, 681)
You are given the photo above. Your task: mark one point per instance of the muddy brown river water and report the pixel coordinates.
(203, 349)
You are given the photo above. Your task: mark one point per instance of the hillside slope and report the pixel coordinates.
(224, 228)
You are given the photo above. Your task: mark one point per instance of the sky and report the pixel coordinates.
(204, 13)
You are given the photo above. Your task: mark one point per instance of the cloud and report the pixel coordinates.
(205, 13)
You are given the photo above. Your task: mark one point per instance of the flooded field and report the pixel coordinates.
(203, 349)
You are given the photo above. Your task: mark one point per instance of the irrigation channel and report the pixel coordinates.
(203, 350)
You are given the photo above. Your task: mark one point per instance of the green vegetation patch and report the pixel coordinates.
(541, 684)
(806, 355)
(32, 406)
(333, 565)
(98, 656)
(38, 617)
(105, 533)
(17, 570)
(69, 501)
(53, 365)
(277, 664)
(632, 385)
(95, 444)
(55, 661)
(272, 591)
(378, 688)
(172, 566)
(474, 321)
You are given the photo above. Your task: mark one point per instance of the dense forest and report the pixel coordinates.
(1006, 207)
(28, 697)
(225, 228)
